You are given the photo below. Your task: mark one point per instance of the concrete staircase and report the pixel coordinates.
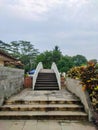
(46, 80)
(43, 105)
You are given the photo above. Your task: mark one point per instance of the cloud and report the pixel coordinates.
(29, 8)
(40, 9)
(71, 24)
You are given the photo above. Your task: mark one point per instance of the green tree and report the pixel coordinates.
(23, 51)
(45, 58)
(27, 53)
(79, 60)
(48, 57)
(4, 46)
(57, 55)
(65, 63)
(15, 49)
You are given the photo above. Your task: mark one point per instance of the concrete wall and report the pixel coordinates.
(75, 87)
(11, 82)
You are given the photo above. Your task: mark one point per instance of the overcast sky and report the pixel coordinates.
(70, 24)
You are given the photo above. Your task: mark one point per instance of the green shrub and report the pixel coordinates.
(74, 73)
(88, 76)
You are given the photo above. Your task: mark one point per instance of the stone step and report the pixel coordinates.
(67, 115)
(46, 85)
(45, 107)
(46, 88)
(28, 102)
(47, 82)
(47, 74)
(46, 78)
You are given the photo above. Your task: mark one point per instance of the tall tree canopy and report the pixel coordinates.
(79, 60)
(64, 63)
(4, 46)
(48, 57)
(56, 55)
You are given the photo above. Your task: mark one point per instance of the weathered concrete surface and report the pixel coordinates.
(30, 104)
(55, 95)
(28, 95)
(43, 105)
(11, 81)
(75, 87)
(45, 125)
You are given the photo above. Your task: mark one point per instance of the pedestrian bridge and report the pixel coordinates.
(46, 79)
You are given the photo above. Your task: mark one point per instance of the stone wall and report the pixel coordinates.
(75, 87)
(11, 82)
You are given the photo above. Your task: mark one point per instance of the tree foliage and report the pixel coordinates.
(45, 58)
(79, 60)
(48, 57)
(4, 46)
(64, 63)
(56, 55)
(23, 51)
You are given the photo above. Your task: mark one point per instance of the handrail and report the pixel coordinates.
(38, 68)
(55, 69)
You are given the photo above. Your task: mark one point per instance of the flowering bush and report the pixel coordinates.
(74, 73)
(88, 76)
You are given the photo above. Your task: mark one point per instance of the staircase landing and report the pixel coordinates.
(29, 95)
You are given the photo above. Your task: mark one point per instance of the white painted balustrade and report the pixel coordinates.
(55, 69)
(38, 68)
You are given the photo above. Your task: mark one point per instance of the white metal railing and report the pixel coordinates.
(55, 69)
(38, 68)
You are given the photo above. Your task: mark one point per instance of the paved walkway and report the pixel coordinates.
(44, 125)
